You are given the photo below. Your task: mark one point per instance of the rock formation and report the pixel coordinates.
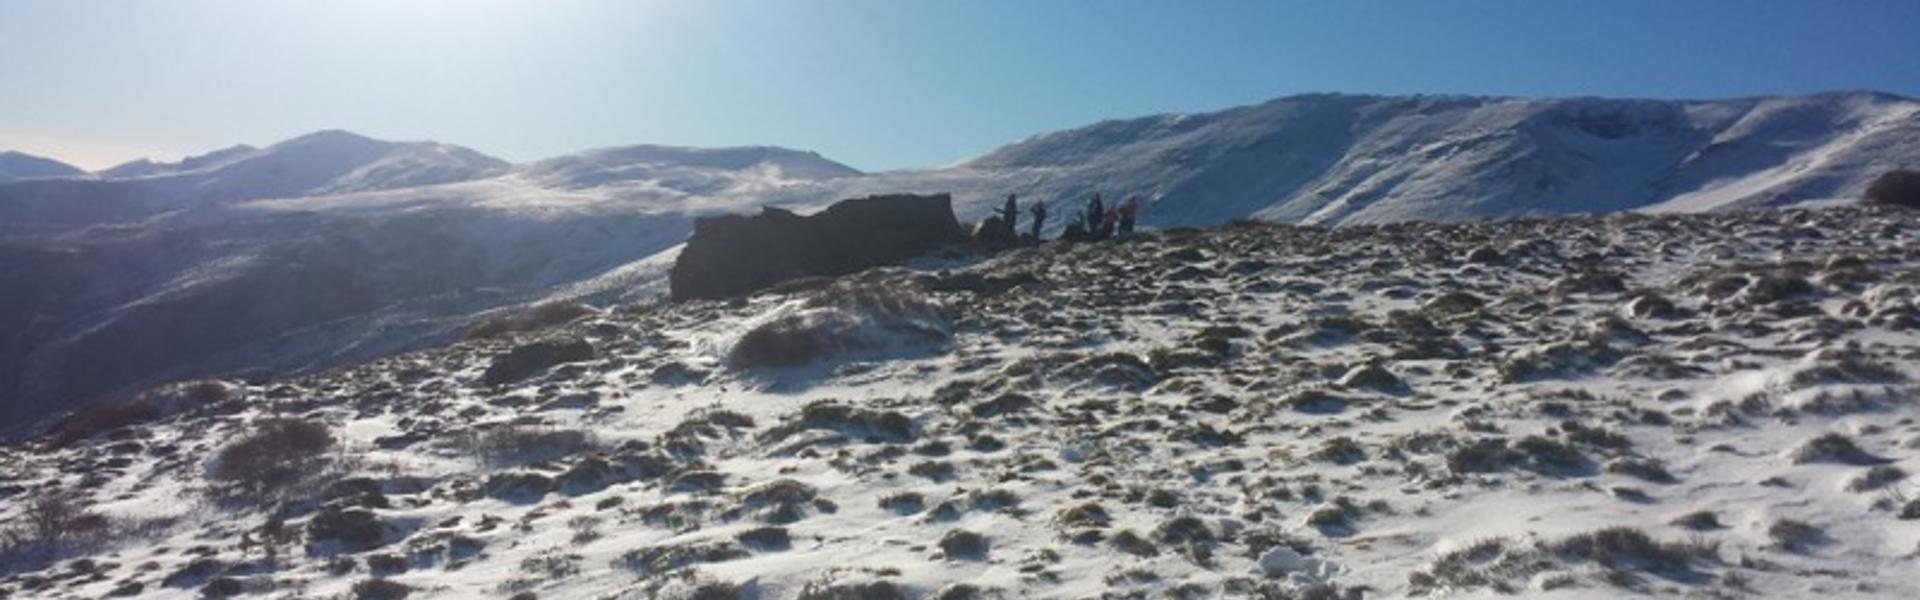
(735, 254)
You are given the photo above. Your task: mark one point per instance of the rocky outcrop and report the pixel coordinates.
(735, 254)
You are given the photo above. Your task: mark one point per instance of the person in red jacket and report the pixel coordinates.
(1128, 211)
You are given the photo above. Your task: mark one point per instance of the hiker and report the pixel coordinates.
(1109, 221)
(1094, 211)
(1076, 229)
(1039, 218)
(1128, 211)
(1009, 215)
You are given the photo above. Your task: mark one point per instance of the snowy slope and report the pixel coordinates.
(1342, 159)
(149, 168)
(1670, 406)
(326, 162)
(115, 270)
(15, 166)
(286, 285)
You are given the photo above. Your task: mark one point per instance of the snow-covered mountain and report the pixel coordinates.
(98, 305)
(1343, 159)
(333, 247)
(321, 163)
(15, 166)
(149, 168)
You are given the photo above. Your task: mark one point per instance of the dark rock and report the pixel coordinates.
(732, 255)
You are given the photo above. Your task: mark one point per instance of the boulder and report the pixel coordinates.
(731, 255)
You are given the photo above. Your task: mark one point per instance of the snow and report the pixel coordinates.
(1726, 432)
(601, 225)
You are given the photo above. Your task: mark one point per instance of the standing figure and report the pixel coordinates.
(1039, 218)
(1110, 221)
(1009, 214)
(1129, 210)
(1095, 211)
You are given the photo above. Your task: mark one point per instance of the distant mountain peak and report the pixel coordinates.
(15, 166)
(604, 166)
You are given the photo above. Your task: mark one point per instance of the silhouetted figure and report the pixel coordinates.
(1129, 210)
(1095, 212)
(1076, 229)
(1009, 217)
(1039, 211)
(1109, 221)
(992, 234)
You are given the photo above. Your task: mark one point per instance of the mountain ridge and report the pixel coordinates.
(99, 269)
(17, 166)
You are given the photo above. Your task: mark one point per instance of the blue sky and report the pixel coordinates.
(878, 84)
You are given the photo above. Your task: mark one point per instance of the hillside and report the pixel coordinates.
(1703, 405)
(1347, 159)
(153, 272)
(15, 166)
(260, 286)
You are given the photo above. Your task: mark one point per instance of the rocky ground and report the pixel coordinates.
(1703, 406)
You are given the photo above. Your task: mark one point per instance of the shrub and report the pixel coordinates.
(381, 589)
(53, 516)
(149, 406)
(964, 545)
(666, 558)
(842, 320)
(1794, 536)
(533, 359)
(100, 418)
(514, 443)
(540, 316)
(1896, 188)
(1626, 548)
(278, 452)
(352, 529)
(1833, 448)
(1876, 478)
(879, 589)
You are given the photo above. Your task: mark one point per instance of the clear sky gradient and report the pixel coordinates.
(877, 84)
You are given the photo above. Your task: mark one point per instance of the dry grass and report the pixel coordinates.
(833, 321)
(275, 454)
(540, 316)
(517, 443)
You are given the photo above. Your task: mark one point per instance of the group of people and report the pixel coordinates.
(1096, 222)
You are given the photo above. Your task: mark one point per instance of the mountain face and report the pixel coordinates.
(15, 166)
(332, 247)
(322, 163)
(149, 168)
(223, 264)
(1716, 409)
(1338, 159)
